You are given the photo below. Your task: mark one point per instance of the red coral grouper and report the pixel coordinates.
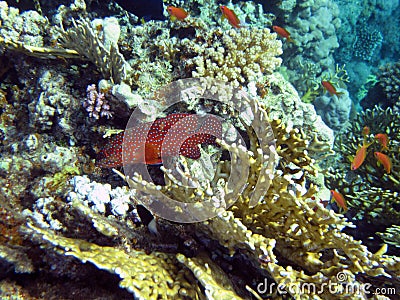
(196, 129)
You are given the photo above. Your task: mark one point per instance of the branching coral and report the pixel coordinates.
(100, 48)
(285, 221)
(275, 230)
(237, 56)
(191, 48)
(391, 235)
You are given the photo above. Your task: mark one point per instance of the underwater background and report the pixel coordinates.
(312, 88)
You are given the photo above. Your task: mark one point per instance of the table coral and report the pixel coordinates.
(135, 268)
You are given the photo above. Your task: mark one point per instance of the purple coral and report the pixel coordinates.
(96, 103)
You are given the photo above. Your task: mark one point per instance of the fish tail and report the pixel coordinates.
(289, 40)
(366, 144)
(384, 148)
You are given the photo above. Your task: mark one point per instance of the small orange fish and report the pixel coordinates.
(360, 156)
(283, 33)
(230, 15)
(177, 13)
(366, 131)
(338, 197)
(384, 160)
(383, 140)
(330, 88)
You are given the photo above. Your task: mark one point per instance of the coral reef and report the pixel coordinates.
(237, 56)
(27, 27)
(96, 104)
(372, 194)
(334, 109)
(281, 100)
(367, 38)
(283, 223)
(240, 56)
(389, 80)
(248, 211)
(385, 89)
(313, 26)
(97, 42)
(391, 235)
(367, 41)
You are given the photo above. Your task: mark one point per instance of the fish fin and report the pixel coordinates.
(366, 145)
(339, 94)
(173, 18)
(223, 17)
(153, 154)
(289, 40)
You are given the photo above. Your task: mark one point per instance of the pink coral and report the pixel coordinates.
(96, 103)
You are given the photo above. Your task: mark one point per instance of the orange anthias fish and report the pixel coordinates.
(383, 140)
(338, 197)
(366, 131)
(360, 156)
(330, 88)
(384, 160)
(230, 16)
(283, 33)
(111, 155)
(177, 13)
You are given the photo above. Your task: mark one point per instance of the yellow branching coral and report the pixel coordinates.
(275, 224)
(135, 268)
